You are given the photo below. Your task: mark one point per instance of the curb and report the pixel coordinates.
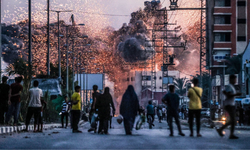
(10, 129)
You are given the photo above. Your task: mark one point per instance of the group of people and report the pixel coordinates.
(10, 100)
(103, 107)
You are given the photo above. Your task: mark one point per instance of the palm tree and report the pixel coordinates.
(180, 84)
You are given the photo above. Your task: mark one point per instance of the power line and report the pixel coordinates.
(102, 14)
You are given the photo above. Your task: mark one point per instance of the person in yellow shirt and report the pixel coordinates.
(194, 95)
(76, 109)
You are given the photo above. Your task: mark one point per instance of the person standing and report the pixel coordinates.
(151, 112)
(4, 94)
(129, 108)
(194, 95)
(65, 111)
(160, 114)
(172, 99)
(14, 100)
(35, 105)
(229, 104)
(103, 105)
(76, 109)
(93, 123)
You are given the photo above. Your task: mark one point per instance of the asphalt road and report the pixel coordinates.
(156, 138)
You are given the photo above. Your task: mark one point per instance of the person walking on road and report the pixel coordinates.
(129, 108)
(172, 99)
(194, 95)
(229, 104)
(14, 100)
(76, 109)
(65, 111)
(151, 112)
(103, 105)
(4, 94)
(35, 105)
(93, 123)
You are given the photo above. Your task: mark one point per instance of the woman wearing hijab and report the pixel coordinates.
(103, 105)
(129, 108)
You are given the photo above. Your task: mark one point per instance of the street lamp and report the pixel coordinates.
(59, 52)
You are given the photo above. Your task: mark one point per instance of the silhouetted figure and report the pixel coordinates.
(151, 112)
(103, 105)
(229, 104)
(76, 109)
(35, 105)
(93, 123)
(129, 108)
(195, 106)
(172, 99)
(65, 111)
(4, 96)
(14, 100)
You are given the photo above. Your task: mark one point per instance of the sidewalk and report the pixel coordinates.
(216, 124)
(10, 129)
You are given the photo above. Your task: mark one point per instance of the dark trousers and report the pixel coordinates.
(103, 125)
(231, 112)
(173, 114)
(128, 124)
(75, 119)
(62, 118)
(3, 110)
(110, 121)
(36, 111)
(152, 116)
(197, 114)
(14, 108)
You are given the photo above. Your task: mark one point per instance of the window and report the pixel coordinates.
(147, 78)
(241, 3)
(222, 3)
(222, 19)
(222, 37)
(241, 38)
(160, 78)
(241, 21)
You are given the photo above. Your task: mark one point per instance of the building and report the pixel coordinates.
(228, 23)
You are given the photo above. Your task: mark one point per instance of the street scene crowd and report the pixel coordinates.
(102, 109)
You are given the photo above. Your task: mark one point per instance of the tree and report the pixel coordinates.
(180, 84)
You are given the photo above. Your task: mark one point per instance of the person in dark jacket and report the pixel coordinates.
(172, 101)
(4, 94)
(103, 106)
(129, 108)
(95, 95)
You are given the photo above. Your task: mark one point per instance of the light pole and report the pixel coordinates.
(48, 41)
(0, 41)
(59, 52)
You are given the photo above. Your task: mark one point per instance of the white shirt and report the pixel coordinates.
(35, 97)
(230, 100)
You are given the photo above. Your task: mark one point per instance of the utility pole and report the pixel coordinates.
(59, 51)
(67, 58)
(73, 57)
(48, 40)
(30, 38)
(0, 40)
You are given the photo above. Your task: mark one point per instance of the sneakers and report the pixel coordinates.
(191, 135)
(233, 137)
(220, 132)
(171, 134)
(199, 135)
(77, 131)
